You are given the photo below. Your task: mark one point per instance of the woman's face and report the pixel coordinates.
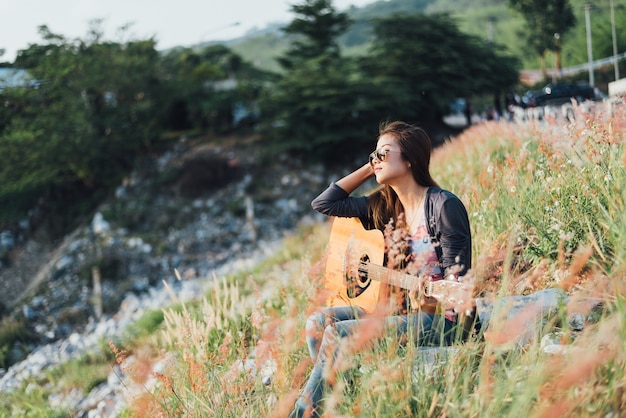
(393, 167)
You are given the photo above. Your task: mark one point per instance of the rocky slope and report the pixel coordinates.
(190, 210)
(201, 207)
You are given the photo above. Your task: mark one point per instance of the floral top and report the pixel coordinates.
(424, 252)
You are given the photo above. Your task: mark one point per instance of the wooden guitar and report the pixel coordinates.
(354, 271)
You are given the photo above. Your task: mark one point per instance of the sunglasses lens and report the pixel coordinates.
(379, 154)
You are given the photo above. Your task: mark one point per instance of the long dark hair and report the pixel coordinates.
(416, 148)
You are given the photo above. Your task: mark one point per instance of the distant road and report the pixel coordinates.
(532, 77)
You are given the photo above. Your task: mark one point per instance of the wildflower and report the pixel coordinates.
(121, 356)
(490, 169)
(608, 178)
(513, 189)
(166, 380)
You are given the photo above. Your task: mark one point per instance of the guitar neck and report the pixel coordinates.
(386, 275)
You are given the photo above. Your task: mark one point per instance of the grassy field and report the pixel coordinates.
(547, 205)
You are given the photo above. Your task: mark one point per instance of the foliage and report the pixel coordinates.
(79, 131)
(97, 107)
(316, 107)
(146, 325)
(601, 32)
(318, 112)
(491, 20)
(12, 331)
(32, 403)
(316, 27)
(197, 93)
(419, 64)
(416, 67)
(548, 20)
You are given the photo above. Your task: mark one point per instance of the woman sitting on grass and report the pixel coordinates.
(436, 231)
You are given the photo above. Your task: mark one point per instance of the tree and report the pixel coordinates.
(548, 21)
(79, 130)
(316, 108)
(318, 111)
(204, 86)
(315, 32)
(419, 64)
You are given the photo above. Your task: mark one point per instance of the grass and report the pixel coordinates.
(546, 202)
(547, 206)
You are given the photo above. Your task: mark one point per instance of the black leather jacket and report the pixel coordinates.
(447, 222)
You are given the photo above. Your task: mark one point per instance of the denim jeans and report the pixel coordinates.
(328, 326)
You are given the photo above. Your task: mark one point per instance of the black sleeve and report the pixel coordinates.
(454, 237)
(334, 201)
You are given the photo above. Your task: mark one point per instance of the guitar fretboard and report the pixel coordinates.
(386, 275)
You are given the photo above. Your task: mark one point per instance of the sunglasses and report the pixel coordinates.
(380, 155)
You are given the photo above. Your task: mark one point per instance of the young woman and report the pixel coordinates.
(436, 228)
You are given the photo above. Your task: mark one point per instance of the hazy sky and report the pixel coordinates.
(172, 23)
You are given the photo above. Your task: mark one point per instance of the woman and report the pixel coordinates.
(436, 227)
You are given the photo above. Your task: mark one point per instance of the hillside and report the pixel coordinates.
(191, 210)
(262, 48)
(491, 20)
(544, 201)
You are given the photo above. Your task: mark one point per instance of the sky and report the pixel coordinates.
(170, 22)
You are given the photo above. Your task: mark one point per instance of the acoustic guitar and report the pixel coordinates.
(355, 271)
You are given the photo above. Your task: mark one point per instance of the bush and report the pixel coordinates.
(12, 331)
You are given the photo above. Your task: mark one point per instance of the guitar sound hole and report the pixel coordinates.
(355, 286)
(363, 279)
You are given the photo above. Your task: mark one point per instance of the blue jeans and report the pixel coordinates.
(328, 326)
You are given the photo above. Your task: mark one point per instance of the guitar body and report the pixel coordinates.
(348, 239)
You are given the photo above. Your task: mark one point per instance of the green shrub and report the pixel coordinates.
(12, 331)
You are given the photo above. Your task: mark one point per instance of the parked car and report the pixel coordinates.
(557, 94)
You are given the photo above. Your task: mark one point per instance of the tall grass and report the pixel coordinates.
(547, 207)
